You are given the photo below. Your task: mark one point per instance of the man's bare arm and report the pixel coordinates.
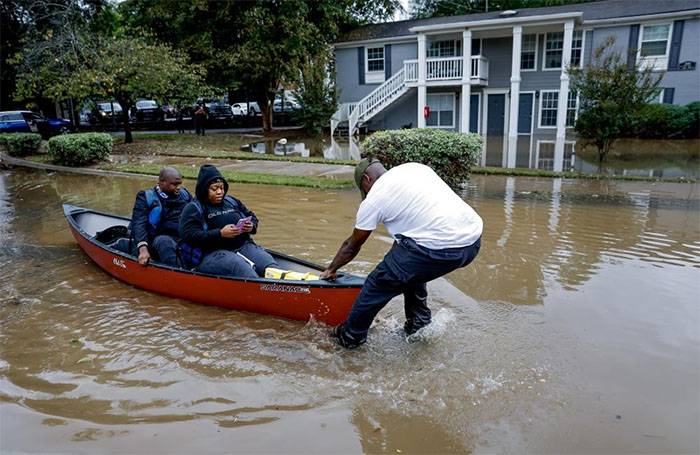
(346, 253)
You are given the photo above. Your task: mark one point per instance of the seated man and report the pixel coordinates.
(216, 231)
(156, 217)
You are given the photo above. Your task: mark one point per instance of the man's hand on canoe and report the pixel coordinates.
(329, 275)
(144, 255)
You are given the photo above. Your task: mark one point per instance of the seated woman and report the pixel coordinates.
(211, 223)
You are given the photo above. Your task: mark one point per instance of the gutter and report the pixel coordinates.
(495, 23)
(631, 19)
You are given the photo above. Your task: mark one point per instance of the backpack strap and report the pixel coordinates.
(200, 211)
(154, 208)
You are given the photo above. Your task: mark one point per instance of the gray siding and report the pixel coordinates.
(686, 83)
(499, 52)
(621, 33)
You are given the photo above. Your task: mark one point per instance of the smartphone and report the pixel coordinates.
(242, 221)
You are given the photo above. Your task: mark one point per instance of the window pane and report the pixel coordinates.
(375, 65)
(655, 32)
(432, 118)
(375, 52)
(529, 42)
(445, 118)
(575, 57)
(553, 59)
(555, 40)
(577, 39)
(653, 48)
(476, 47)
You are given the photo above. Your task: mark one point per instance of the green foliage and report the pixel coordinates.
(611, 97)
(20, 144)
(80, 149)
(316, 94)
(451, 155)
(421, 9)
(667, 121)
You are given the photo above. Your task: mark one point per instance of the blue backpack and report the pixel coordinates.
(156, 208)
(191, 256)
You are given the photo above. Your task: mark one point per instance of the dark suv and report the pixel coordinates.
(146, 111)
(218, 109)
(105, 112)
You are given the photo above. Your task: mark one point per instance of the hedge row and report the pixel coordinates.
(450, 154)
(668, 121)
(20, 144)
(80, 149)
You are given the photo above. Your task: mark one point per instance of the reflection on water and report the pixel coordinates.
(656, 158)
(330, 148)
(576, 330)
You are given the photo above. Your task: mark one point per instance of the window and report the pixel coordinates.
(375, 59)
(448, 48)
(442, 108)
(528, 53)
(654, 45)
(576, 48)
(571, 109)
(549, 100)
(544, 157)
(553, 50)
(476, 46)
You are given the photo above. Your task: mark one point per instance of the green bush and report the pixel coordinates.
(80, 149)
(667, 121)
(451, 155)
(20, 144)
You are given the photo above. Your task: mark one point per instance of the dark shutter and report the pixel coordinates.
(387, 61)
(632, 47)
(668, 95)
(361, 64)
(676, 39)
(474, 114)
(525, 113)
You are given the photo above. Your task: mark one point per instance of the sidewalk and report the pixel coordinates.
(288, 168)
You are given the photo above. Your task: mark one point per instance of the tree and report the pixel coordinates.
(257, 45)
(421, 9)
(611, 96)
(317, 92)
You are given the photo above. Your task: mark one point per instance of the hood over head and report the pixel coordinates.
(207, 174)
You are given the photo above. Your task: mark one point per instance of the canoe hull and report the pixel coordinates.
(292, 300)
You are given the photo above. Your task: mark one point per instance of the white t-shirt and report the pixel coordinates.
(412, 200)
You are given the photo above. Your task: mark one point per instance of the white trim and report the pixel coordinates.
(377, 76)
(494, 22)
(657, 62)
(635, 19)
(537, 151)
(539, 113)
(405, 39)
(537, 40)
(454, 111)
(544, 52)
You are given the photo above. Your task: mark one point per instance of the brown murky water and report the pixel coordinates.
(576, 330)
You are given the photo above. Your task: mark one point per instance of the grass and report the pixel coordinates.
(524, 172)
(241, 177)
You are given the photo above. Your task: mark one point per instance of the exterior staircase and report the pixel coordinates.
(360, 112)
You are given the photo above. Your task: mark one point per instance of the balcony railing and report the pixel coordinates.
(448, 68)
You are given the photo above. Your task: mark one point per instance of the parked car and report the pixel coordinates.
(104, 111)
(31, 122)
(239, 109)
(146, 111)
(290, 103)
(217, 109)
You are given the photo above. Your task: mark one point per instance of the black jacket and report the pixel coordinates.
(141, 230)
(229, 211)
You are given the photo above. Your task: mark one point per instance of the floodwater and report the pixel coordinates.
(576, 330)
(654, 158)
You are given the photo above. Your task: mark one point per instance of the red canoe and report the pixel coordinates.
(325, 301)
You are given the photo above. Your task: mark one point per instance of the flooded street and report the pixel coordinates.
(577, 329)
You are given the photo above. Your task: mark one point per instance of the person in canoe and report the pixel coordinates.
(156, 216)
(435, 232)
(216, 231)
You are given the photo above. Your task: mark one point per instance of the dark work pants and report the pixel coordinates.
(226, 262)
(164, 248)
(405, 269)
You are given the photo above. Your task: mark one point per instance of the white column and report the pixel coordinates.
(563, 97)
(421, 79)
(514, 96)
(466, 80)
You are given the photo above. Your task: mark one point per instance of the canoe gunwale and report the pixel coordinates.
(71, 211)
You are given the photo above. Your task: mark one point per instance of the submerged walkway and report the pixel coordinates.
(284, 168)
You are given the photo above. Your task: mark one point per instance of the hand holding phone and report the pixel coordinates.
(242, 222)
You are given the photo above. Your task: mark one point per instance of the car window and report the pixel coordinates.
(37, 117)
(17, 116)
(146, 104)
